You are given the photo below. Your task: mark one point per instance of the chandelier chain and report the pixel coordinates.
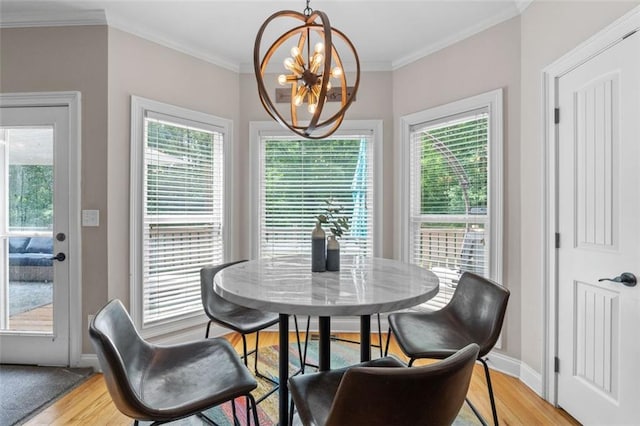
(307, 10)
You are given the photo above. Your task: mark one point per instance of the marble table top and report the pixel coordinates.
(363, 286)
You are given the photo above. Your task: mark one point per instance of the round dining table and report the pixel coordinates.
(286, 285)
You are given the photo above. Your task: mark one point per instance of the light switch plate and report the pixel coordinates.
(90, 217)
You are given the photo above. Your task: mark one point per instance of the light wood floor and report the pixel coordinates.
(90, 403)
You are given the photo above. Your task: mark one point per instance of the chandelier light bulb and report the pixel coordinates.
(282, 79)
(336, 72)
(299, 98)
(292, 66)
(315, 89)
(319, 47)
(312, 108)
(295, 53)
(311, 98)
(316, 62)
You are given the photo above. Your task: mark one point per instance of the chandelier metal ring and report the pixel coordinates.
(306, 80)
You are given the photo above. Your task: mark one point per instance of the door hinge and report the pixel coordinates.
(557, 240)
(556, 116)
(556, 364)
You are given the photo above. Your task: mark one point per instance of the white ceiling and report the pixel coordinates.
(386, 34)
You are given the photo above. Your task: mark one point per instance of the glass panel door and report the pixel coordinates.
(27, 229)
(34, 230)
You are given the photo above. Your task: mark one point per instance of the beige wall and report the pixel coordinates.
(484, 62)
(143, 68)
(65, 59)
(549, 30)
(373, 102)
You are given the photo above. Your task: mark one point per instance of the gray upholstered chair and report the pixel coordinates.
(164, 383)
(238, 318)
(473, 315)
(385, 392)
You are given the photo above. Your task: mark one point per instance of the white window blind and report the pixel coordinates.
(297, 176)
(182, 214)
(449, 211)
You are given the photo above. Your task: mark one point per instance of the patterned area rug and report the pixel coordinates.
(342, 355)
(25, 390)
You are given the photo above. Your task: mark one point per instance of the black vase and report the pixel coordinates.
(333, 254)
(318, 251)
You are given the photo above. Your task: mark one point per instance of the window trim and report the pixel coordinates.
(492, 101)
(257, 129)
(139, 108)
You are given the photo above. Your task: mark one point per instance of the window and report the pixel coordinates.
(178, 210)
(296, 176)
(453, 202)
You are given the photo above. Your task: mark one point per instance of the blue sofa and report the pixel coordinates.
(30, 259)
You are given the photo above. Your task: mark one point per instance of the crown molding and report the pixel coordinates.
(53, 19)
(99, 17)
(522, 5)
(128, 27)
(466, 33)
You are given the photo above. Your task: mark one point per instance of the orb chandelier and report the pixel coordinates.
(313, 71)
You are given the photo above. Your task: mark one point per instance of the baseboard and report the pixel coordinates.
(89, 360)
(516, 368)
(504, 364)
(531, 378)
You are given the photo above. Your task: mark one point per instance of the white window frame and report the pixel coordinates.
(140, 107)
(492, 101)
(260, 129)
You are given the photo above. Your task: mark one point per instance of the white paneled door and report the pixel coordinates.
(599, 225)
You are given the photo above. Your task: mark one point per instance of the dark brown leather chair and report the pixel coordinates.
(165, 383)
(385, 392)
(473, 315)
(238, 318)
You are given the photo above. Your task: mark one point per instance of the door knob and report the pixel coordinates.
(626, 278)
(59, 257)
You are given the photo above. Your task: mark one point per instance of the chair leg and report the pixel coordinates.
(244, 349)
(386, 349)
(302, 353)
(233, 412)
(255, 366)
(206, 334)
(491, 398)
(255, 359)
(379, 336)
(476, 412)
(254, 408)
(248, 410)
